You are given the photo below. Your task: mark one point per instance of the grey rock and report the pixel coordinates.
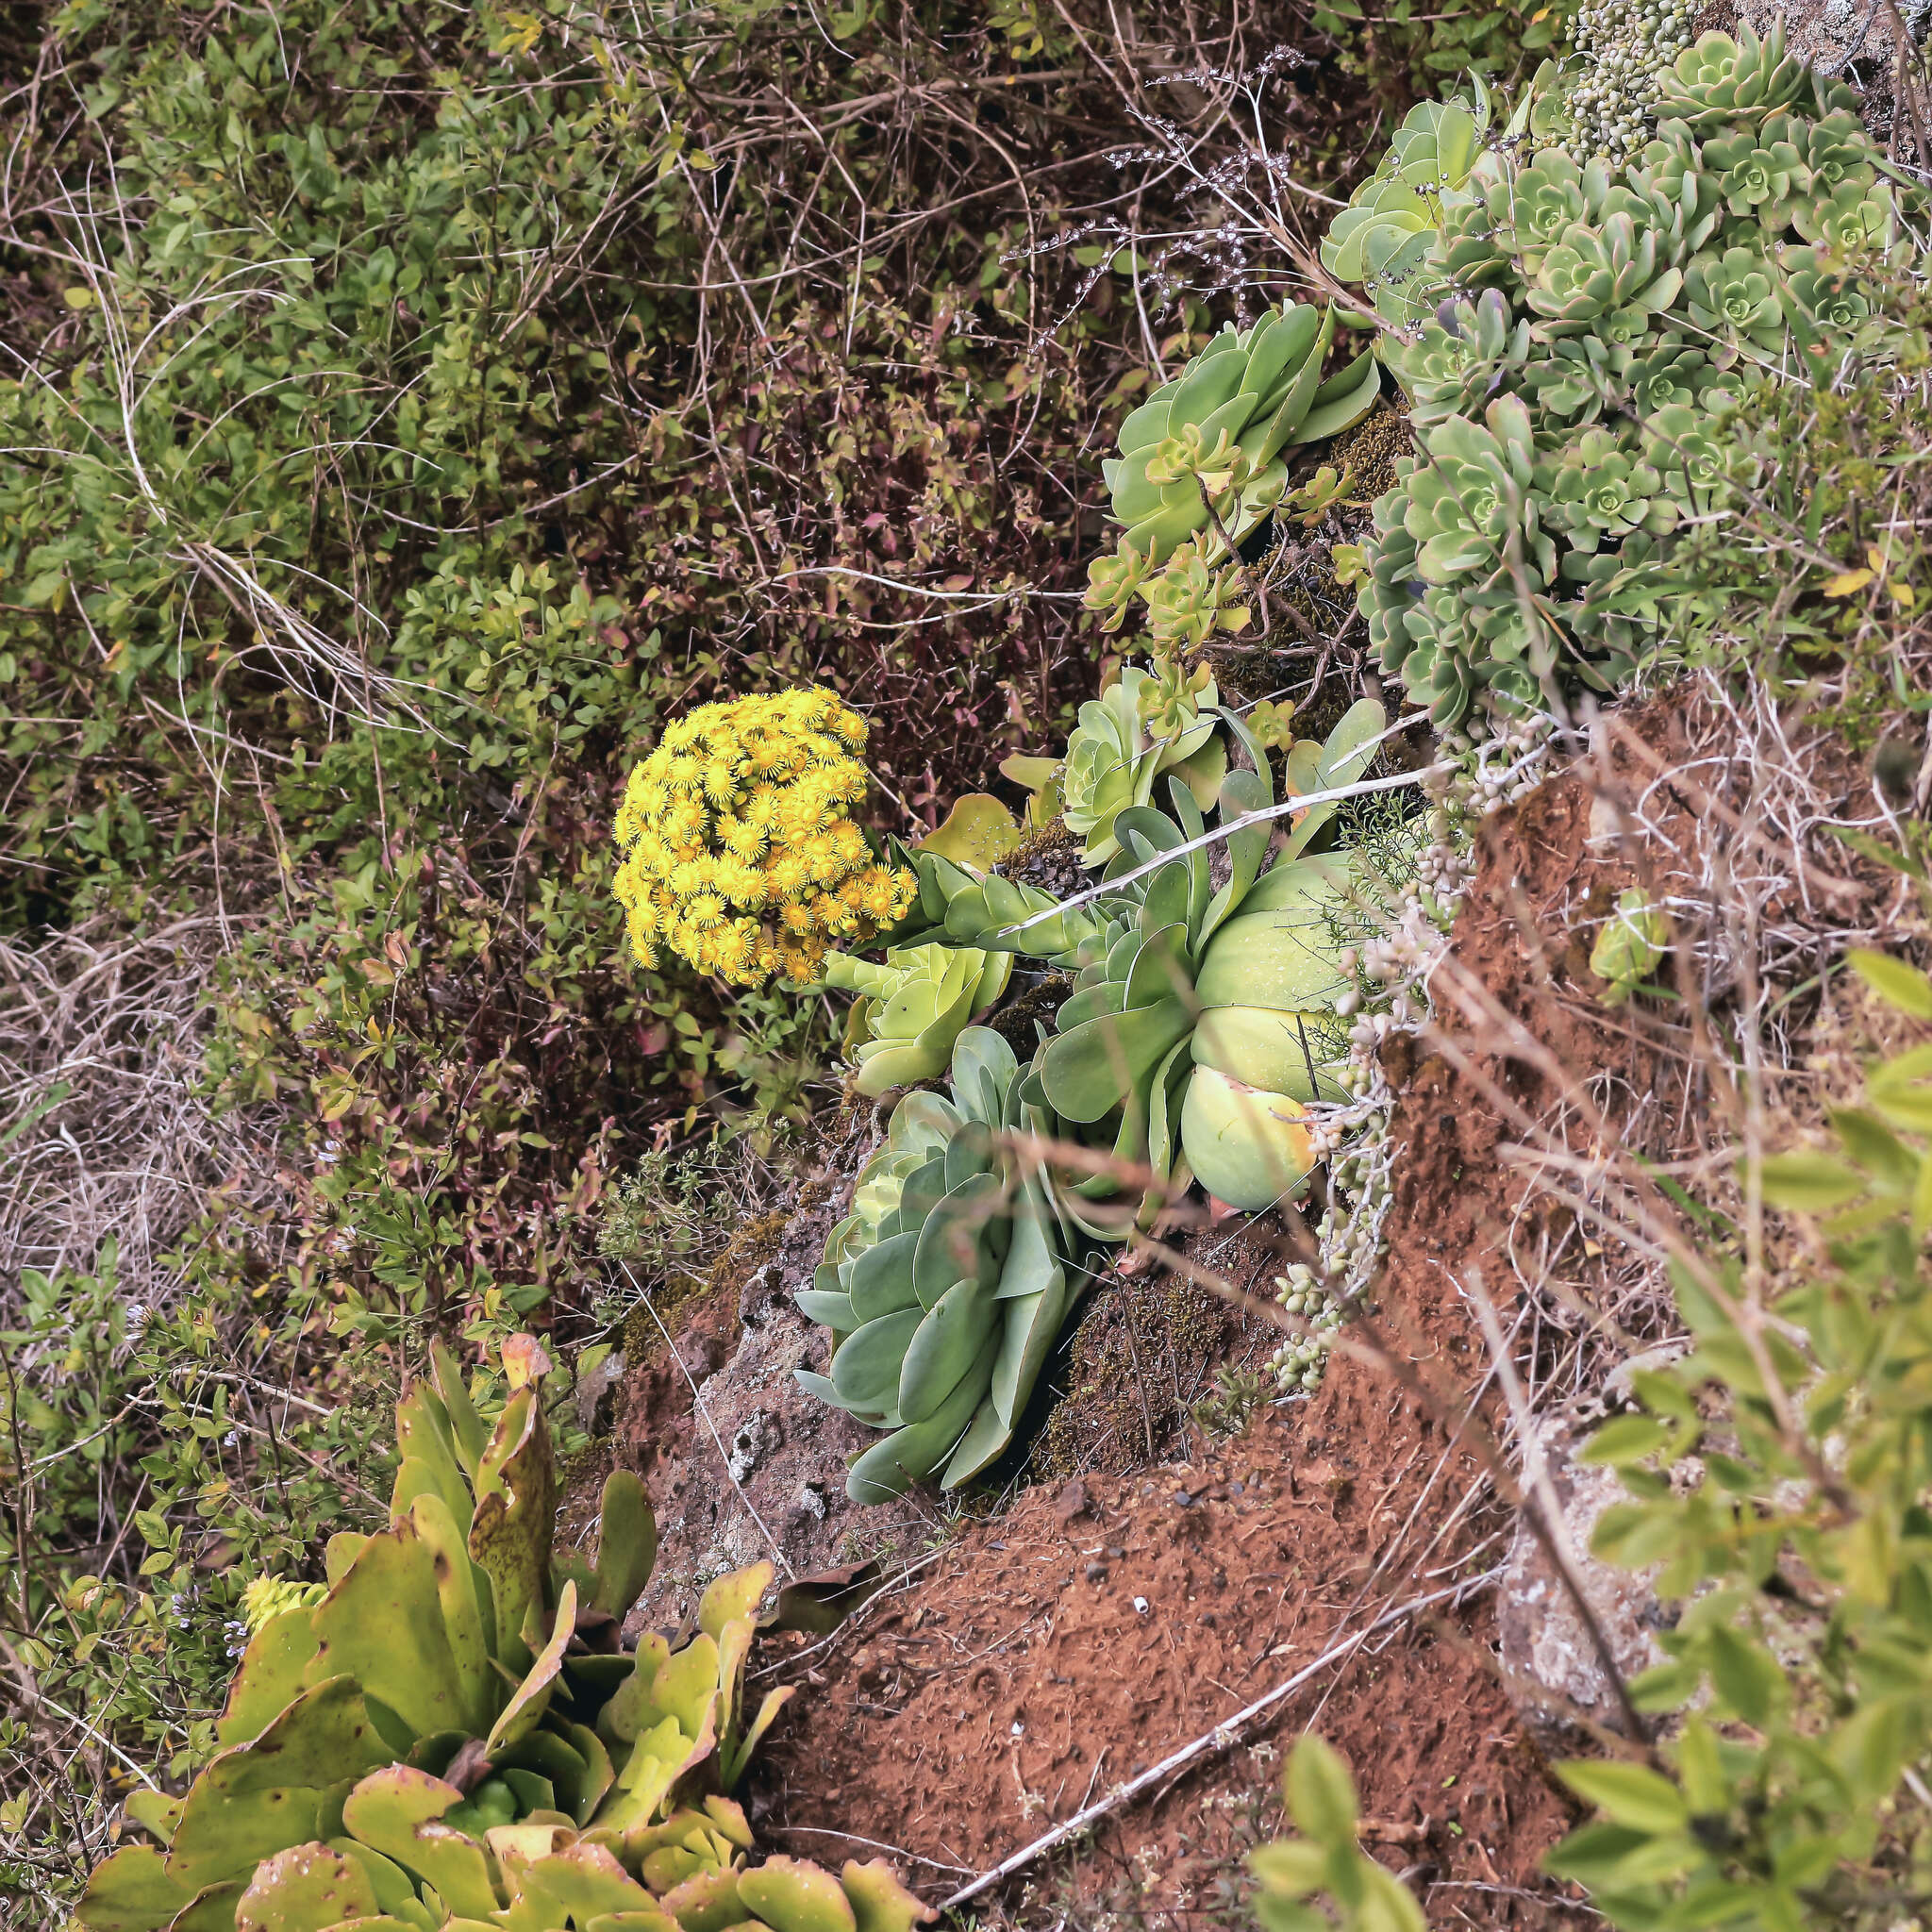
(596, 1393)
(1834, 34)
(756, 1470)
(1550, 1662)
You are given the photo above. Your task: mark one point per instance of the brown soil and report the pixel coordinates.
(1144, 1357)
(1055, 1654)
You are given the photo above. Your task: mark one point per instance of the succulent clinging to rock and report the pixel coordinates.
(1721, 82)
(944, 1309)
(1575, 388)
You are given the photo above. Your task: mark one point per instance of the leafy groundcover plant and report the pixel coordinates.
(449, 1738)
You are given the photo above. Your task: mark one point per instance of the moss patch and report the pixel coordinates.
(748, 1251)
(1143, 1354)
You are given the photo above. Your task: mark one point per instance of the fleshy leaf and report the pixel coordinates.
(383, 1624)
(270, 1677)
(626, 1543)
(532, 1699)
(516, 1503)
(880, 1902)
(397, 1810)
(305, 1889)
(132, 1891)
(795, 1895)
(261, 1797)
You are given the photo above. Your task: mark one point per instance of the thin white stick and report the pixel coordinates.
(1221, 1738)
(1259, 816)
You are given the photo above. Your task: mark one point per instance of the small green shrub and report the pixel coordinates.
(1779, 1475)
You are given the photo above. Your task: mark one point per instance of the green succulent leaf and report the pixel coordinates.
(132, 1891)
(273, 1670)
(792, 1896)
(626, 1543)
(279, 1788)
(383, 1626)
(516, 1501)
(305, 1889)
(398, 1813)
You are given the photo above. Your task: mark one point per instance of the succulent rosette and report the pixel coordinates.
(1232, 988)
(451, 1739)
(944, 1310)
(1598, 319)
(1124, 741)
(912, 1008)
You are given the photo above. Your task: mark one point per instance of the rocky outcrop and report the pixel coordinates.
(743, 1465)
(1551, 1662)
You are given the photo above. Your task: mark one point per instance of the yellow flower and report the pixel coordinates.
(744, 840)
(263, 1597)
(790, 873)
(744, 807)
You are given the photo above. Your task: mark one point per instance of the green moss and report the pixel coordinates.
(1143, 1353)
(748, 1250)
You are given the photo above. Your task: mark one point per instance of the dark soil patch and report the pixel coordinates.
(1145, 1355)
(1049, 859)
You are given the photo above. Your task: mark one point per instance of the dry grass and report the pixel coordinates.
(106, 1133)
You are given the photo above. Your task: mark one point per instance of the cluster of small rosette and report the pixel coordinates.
(1579, 339)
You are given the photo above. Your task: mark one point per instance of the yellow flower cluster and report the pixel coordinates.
(264, 1597)
(738, 851)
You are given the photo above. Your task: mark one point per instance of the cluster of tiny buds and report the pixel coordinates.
(1628, 45)
(1297, 1364)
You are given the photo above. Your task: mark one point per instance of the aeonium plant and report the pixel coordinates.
(452, 1738)
(1574, 336)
